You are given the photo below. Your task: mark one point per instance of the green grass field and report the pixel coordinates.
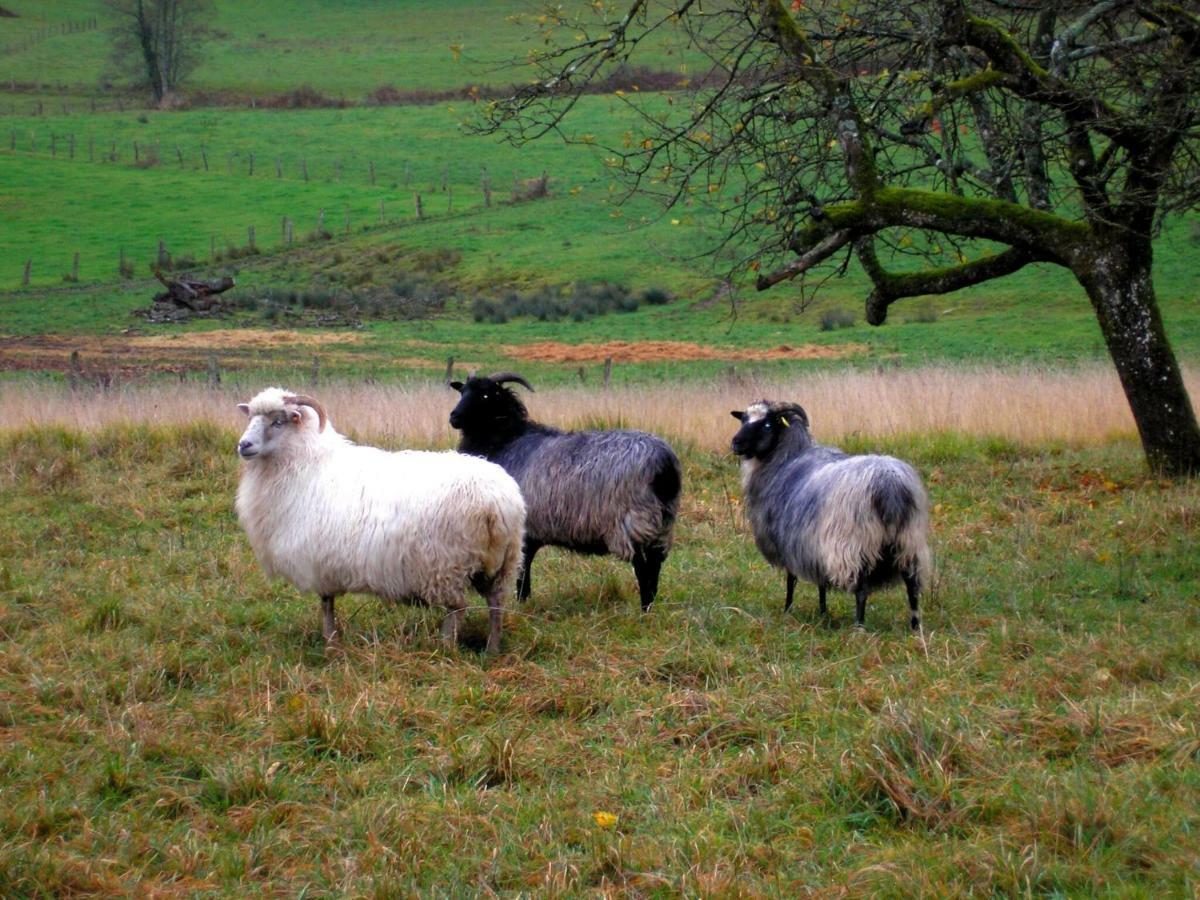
(172, 726)
(169, 722)
(343, 50)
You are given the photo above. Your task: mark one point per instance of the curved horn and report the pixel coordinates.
(502, 377)
(313, 404)
(795, 408)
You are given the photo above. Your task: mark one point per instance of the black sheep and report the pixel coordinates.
(599, 492)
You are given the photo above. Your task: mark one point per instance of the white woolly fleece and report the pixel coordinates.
(333, 517)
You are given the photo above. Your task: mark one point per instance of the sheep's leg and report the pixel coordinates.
(822, 606)
(329, 627)
(913, 583)
(450, 625)
(528, 551)
(495, 602)
(791, 591)
(860, 606)
(646, 566)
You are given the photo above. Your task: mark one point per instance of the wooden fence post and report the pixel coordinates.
(135, 153)
(449, 369)
(53, 145)
(381, 217)
(204, 156)
(250, 237)
(251, 165)
(345, 220)
(75, 268)
(486, 182)
(315, 373)
(179, 155)
(607, 371)
(278, 167)
(214, 371)
(420, 211)
(25, 278)
(75, 372)
(164, 258)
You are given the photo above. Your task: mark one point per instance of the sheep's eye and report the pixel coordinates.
(278, 423)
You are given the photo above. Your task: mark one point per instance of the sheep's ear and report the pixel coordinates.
(297, 417)
(244, 407)
(738, 414)
(457, 385)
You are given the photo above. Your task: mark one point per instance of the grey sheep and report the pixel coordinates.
(856, 523)
(600, 492)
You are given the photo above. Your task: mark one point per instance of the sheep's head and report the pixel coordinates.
(764, 425)
(275, 413)
(487, 406)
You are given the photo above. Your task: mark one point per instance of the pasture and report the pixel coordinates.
(173, 726)
(170, 724)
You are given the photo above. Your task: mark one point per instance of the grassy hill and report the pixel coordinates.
(346, 49)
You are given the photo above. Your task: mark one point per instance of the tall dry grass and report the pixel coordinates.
(1027, 405)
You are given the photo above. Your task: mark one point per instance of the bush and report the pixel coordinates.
(925, 314)
(832, 319)
(579, 302)
(656, 296)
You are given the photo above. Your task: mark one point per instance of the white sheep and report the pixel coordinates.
(333, 517)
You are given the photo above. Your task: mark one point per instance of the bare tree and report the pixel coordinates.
(944, 143)
(159, 41)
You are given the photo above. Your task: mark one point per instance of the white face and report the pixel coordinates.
(754, 412)
(264, 432)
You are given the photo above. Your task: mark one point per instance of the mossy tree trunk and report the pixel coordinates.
(1118, 280)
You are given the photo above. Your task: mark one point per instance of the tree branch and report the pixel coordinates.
(823, 249)
(892, 286)
(1041, 234)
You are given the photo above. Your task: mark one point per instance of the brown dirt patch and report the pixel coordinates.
(671, 351)
(241, 339)
(135, 354)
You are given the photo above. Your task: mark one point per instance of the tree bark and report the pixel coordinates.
(1118, 280)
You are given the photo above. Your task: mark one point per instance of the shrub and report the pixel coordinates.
(924, 314)
(832, 319)
(656, 296)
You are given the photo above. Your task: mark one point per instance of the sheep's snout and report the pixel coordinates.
(247, 449)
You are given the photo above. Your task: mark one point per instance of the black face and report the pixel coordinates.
(756, 438)
(483, 403)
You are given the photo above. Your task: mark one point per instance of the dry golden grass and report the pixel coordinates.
(1026, 405)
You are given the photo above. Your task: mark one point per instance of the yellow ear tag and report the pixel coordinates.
(783, 422)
